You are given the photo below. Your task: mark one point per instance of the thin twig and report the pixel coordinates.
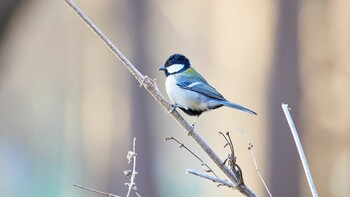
(95, 191)
(257, 169)
(134, 173)
(232, 159)
(214, 179)
(185, 147)
(150, 86)
(251, 149)
(300, 149)
(229, 143)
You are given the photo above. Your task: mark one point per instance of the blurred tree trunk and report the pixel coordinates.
(284, 87)
(326, 76)
(6, 9)
(140, 99)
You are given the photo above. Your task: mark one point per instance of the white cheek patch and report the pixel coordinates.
(174, 68)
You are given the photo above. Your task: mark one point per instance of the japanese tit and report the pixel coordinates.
(189, 91)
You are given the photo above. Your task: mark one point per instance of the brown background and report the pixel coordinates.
(69, 109)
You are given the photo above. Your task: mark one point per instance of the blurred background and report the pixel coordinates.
(69, 109)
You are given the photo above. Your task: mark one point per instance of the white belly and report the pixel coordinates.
(186, 98)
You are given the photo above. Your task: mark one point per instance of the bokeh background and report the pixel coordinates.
(69, 109)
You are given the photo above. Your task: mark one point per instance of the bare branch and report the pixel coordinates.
(132, 157)
(300, 149)
(251, 149)
(232, 159)
(214, 179)
(204, 165)
(95, 191)
(151, 87)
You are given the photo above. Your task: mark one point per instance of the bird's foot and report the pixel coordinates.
(192, 126)
(173, 107)
(190, 130)
(194, 122)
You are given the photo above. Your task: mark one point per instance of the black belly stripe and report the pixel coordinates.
(191, 112)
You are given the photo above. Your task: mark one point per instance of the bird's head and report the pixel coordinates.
(176, 63)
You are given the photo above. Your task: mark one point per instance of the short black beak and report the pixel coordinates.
(161, 68)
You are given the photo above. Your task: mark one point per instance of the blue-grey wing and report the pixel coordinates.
(202, 88)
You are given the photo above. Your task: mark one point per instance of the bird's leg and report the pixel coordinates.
(194, 122)
(173, 107)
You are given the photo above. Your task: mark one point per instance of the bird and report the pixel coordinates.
(189, 91)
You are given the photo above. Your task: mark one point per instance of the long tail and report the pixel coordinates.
(236, 106)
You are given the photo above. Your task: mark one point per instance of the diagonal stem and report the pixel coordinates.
(300, 149)
(151, 87)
